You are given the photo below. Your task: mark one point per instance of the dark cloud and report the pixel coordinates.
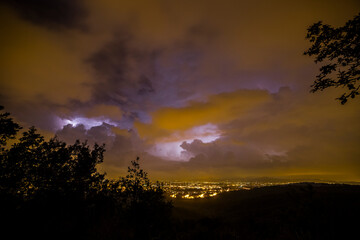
(145, 85)
(141, 77)
(124, 72)
(70, 134)
(224, 153)
(54, 14)
(122, 145)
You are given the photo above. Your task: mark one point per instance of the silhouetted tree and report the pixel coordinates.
(8, 128)
(33, 167)
(136, 184)
(144, 212)
(339, 49)
(58, 187)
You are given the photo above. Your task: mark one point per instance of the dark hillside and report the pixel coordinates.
(295, 211)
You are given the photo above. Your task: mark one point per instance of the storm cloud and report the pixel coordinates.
(56, 14)
(197, 89)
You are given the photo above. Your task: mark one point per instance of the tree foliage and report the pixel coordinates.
(8, 128)
(57, 185)
(34, 168)
(339, 49)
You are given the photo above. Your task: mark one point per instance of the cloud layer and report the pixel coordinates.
(205, 89)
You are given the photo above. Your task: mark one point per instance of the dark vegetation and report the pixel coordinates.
(295, 211)
(52, 190)
(339, 49)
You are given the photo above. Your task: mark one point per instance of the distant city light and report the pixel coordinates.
(198, 190)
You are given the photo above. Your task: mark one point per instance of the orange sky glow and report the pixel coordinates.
(199, 90)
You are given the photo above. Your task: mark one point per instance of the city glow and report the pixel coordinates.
(198, 190)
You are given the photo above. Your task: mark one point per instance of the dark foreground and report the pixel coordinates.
(296, 211)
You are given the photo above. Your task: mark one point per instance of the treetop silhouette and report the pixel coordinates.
(339, 50)
(52, 183)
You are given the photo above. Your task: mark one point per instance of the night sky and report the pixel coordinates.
(197, 89)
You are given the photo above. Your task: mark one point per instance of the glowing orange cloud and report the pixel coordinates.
(217, 109)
